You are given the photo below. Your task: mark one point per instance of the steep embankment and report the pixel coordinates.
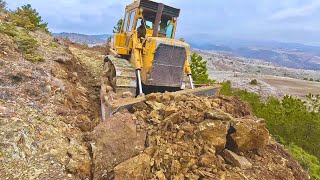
(45, 107)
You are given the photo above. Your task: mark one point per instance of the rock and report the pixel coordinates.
(63, 59)
(80, 161)
(160, 175)
(214, 133)
(3, 109)
(207, 160)
(127, 95)
(109, 89)
(155, 105)
(217, 115)
(58, 84)
(134, 168)
(153, 97)
(234, 106)
(249, 135)
(236, 160)
(115, 141)
(75, 74)
(169, 110)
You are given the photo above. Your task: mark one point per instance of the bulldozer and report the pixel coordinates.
(144, 57)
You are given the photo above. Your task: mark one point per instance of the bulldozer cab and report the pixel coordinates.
(146, 19)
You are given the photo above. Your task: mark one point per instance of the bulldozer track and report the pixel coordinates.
(118, 74)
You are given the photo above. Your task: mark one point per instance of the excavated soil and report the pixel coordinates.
(189, 137)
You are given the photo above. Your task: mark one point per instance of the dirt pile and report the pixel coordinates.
(191, 137)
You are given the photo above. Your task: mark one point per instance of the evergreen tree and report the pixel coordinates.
(199, 70)
(28, 18)
(3, 5)
(117, 28)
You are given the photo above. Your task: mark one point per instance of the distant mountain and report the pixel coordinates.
(292, 55)
(91, 40)
(101, 36)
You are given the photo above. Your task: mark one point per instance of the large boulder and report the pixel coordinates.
(113, 142)
(134, 168)
(213, 133)
(249, 134)
(236, 160)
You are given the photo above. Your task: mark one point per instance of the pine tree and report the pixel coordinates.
(28, 18)
(117, 28)
(3, 5)
(199, 70)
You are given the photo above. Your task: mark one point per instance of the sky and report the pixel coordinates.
(280, 20)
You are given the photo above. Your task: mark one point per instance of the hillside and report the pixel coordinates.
(291, 55)
(91, 40)
(51, 126)
(274, 80)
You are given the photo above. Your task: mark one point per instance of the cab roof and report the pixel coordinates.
(153, 6)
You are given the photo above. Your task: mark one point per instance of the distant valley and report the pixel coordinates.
(291, 55)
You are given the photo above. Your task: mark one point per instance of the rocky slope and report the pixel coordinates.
(50, 126)
(45, 108)
(189, 137)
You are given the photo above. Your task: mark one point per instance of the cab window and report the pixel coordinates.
(125, 24)
(166, 27)
(132, 18)
(169, 31)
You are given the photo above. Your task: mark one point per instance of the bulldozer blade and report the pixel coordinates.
(117, 105)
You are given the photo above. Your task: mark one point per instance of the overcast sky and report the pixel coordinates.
(282, 20)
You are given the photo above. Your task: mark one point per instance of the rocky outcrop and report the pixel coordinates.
(113, 142)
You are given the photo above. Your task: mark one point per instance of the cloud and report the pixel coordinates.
(292, 12)
(232, 18)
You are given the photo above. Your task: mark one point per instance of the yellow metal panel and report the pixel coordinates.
(148, 57)
(119, 40)
(122, 51)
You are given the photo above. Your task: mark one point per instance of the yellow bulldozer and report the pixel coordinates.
(143, 57)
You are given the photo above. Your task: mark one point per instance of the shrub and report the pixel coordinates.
(226, 88)
(310, 79)
(254, 82)
(117, 28)
(8, 29)
(27, 45)
(54, 45)
(199, 70)
(308, 161)
(85, 44)
(28, 18)
(289, 118)
(3, 5)
(306, 79)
